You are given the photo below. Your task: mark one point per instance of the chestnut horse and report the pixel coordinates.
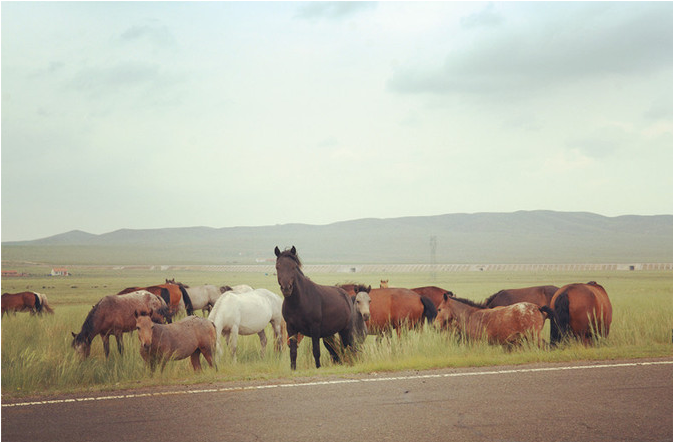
(539, 295)
(175, 297)
(316, 311)
(395, 308)
(436, 294)
(583, 311)
(187, 338)
(113, 315)
(25, 302)
(507, 325)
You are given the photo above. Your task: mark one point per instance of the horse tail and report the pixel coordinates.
(429, 309)
(548, 312)
(45, 306)
(560, 325)
(38, 303)
(187, 300)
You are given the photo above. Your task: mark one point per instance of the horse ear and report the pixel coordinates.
(73, 334)
(293, 250)
(446, 296)
(277, 251)
(369, 289)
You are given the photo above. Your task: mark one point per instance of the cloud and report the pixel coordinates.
(487, 17)
(160, 36)
(545, 49)
(332, 10)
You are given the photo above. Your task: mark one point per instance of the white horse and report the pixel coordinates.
(203, 297)
(246, 314)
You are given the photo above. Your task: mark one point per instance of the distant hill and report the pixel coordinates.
(518, 237)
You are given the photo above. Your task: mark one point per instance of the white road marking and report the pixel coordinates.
(335, 382)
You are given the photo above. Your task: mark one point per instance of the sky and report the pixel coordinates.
(150, 115)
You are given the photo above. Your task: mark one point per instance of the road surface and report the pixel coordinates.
(596, 401)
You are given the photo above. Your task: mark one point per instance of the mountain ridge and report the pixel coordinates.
(522, 236)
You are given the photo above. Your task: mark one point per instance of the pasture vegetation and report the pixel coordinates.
(37, 358)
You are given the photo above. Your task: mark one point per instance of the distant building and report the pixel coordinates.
(12, 273)
(59, 271)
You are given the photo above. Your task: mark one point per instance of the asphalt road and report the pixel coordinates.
(610, 401)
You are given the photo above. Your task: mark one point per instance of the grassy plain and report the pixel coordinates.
(37, 359)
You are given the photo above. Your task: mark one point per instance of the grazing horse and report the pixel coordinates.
(203, 297)
(187, 338)
(539, 295)
(25, 302)
(175, 297)
(247, 313)
(436, 294)
(395, 308)
(113, 315)
(582, 311)
(507, 325)
(316, 311)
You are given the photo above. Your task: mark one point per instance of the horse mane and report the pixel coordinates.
(287, 253)
(480, 305)
(488, 300)
(87, 328)
(356, 287)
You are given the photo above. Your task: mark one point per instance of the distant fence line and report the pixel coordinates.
(412, 268)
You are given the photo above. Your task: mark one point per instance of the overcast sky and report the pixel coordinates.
(149, 115)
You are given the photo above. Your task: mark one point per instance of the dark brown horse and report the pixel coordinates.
(25, 302)
(507, 325)
(539, 295)
(395, 308)
(316, 311)
(114, 315)
(174, 295)
(436, 294)
(583, 311)
(188, 338)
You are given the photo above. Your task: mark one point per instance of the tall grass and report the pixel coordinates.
(37, 358)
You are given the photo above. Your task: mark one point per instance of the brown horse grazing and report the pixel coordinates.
(395, 308)
(25, 302)
(436, 294)
(113, 315)
(507, 325)
(175, 297)
(187, 338)
(583, 311)
(316, 311)
(539, 295)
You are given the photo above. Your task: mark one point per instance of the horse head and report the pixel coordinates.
(362, 301)
(445, 314)
(144, 325)
(81, 345)
(288, 266)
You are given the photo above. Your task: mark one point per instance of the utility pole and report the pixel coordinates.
(433, 257)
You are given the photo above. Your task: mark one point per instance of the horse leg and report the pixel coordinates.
(233, 342)
(262, 341)
(331, 348)
(120, 343)
(277, 335)
(196, 362)
(293, 351)
(106, 344)
(207, 353)
(316, 349)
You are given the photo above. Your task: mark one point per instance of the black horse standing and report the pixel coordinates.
(314, 310)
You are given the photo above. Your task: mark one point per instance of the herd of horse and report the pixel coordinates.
(340, 315)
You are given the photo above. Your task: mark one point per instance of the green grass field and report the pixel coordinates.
(37, 358)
